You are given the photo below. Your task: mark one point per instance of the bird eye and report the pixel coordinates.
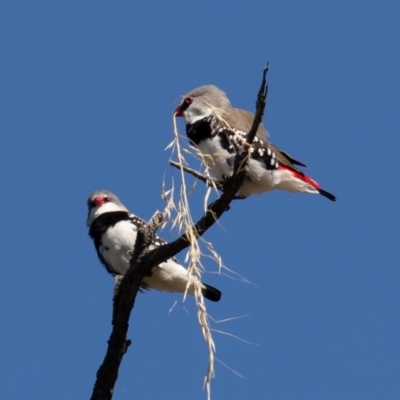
(107, 199)
(188, 100)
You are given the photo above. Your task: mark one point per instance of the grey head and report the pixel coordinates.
(100, 202)
(194, 107)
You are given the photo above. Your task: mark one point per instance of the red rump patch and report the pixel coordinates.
(302, 177)
(98, 201)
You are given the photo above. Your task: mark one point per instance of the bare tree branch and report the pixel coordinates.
(260, 106)
(202, 177)
(143, 260)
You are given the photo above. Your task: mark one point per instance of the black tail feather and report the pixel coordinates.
(211, 293)
(327, 195)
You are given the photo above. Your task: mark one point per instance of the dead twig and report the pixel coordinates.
(260, 106)
(212, 182)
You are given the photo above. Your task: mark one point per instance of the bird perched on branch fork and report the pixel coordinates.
(219, 130)
(114, 232)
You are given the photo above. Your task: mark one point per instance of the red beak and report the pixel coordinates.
(179, 111)
(98, 201)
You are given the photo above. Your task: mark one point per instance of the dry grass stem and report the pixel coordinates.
(184, 222)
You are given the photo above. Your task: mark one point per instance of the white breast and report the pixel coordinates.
(116, 243)
(215, 157)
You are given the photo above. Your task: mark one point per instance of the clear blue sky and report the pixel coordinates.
(87, 90)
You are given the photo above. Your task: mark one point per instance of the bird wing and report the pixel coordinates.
(242, 120)
(285, 157)
(157, 240)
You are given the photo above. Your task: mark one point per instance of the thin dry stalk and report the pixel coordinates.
(185, 222)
